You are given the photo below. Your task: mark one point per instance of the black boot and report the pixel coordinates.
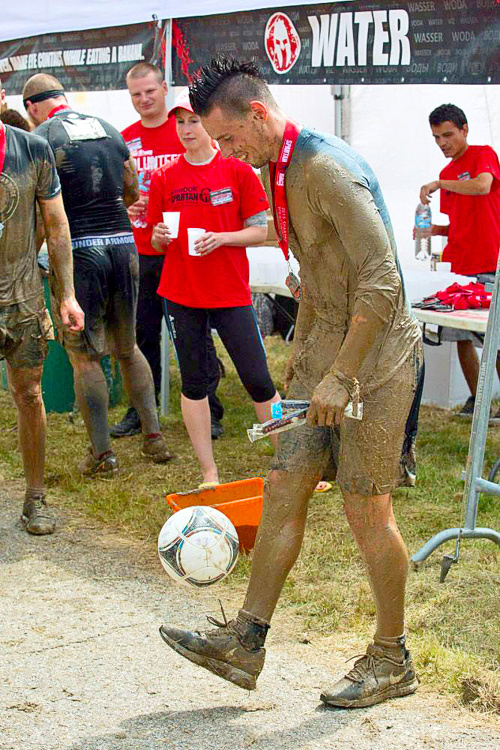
(130, 425)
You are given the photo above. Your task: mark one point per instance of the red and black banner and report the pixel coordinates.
(393, 41)
(93, 60)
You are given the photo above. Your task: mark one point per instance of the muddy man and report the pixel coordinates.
(98, 180)
(354, 334)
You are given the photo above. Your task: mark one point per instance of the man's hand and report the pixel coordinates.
(435, 230)
(72, 314)
(427, 190)
(328, 402)
(161, 236)
(138, 210)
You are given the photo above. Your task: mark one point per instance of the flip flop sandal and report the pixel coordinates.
(326, 488)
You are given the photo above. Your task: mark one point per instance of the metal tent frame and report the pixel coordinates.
(474, 483)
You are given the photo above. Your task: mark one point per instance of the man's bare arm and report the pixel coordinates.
(61, 259)
(130, 183)
(40, 229)
(480, 185)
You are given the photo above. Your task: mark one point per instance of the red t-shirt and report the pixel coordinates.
(217, 197)
(151, 148)
(474, 231)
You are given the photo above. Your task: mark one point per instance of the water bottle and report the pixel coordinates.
(423, 220)
(140, 222)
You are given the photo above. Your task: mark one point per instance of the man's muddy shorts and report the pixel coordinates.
(25, 330)
(365, 456)
(106, 276)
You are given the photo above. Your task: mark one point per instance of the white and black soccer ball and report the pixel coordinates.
(198, 545)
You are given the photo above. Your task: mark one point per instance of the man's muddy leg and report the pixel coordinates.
(26, 390)
(286, 498)
(384, 552)
(91, 392)
(138, 381)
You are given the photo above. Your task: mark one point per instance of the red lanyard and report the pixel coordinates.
(3, 145)
(58, 109)
(278, 172)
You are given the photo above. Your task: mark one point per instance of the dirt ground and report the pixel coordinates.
(83, 666)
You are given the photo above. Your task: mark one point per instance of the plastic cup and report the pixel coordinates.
(171, 219)
(194, 233)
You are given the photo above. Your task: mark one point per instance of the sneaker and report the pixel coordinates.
(467, 409)
(217, 429)
(129, 425)
(37, 517)
(221, 651)
(155, 447)
(105, 466)
(495, 418)
(380, 674)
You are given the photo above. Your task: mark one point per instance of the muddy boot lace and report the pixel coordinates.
(367, 663)
(364, 664)
(250, 634)
(218, 624)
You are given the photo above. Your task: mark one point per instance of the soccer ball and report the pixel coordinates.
(198, 545)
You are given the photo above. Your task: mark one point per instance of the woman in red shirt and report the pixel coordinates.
(210, 288)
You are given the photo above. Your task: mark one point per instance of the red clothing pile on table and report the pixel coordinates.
(474, 231)
(217, 197)
(457, 297)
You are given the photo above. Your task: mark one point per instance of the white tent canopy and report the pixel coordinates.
(20, 19)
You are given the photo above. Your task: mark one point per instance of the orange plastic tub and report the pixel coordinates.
(240, 501)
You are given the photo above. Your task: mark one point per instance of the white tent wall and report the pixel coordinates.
(390, 128)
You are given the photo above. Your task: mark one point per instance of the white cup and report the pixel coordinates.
(194, 233)
(171, 219)
(443, 266)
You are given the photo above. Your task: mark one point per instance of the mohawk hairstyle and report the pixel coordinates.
(230, 85)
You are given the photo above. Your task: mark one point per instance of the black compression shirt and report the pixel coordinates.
(90, 154)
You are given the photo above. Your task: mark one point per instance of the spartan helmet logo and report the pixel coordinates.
(282, 42)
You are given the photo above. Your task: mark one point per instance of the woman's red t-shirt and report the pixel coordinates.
(217, 197)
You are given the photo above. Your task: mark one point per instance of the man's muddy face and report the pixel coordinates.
(245, 138)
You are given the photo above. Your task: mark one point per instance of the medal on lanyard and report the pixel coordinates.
(280, 212)
(3, 149)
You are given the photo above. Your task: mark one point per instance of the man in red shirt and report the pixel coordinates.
(153, 142)
(470, 195)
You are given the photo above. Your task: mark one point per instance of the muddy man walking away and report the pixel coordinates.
(98, 181)
(354, 331)
(28, 178)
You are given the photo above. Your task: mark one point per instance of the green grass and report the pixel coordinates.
(454, 627)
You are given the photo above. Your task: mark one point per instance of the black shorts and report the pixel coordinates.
(239, 332)
(106, 277)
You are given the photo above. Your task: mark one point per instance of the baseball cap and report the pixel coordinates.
(182, 102)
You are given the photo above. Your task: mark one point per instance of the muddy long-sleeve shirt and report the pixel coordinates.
(29, 173)
(341, 234)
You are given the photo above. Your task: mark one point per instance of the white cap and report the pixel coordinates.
(182, 102)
